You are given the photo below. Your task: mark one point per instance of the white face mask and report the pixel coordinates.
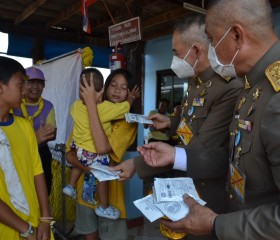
(224, 70)
(182, 68)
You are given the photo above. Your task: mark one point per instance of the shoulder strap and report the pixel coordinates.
(273, 74)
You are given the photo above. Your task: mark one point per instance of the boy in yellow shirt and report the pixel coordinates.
(24, 207)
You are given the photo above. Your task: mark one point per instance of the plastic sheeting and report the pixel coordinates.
(62, 89)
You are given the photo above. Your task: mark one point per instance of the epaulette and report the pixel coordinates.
(273, 74)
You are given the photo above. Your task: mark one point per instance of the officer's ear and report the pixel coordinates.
(238, 33)
(197, 49)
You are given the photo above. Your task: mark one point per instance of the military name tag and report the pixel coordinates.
(198, 102)
(237, 182)
(184, 131)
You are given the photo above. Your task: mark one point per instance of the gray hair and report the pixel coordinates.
(192, 29)
(255, 15)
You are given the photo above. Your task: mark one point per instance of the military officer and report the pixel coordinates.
(243, 42)
(204, 127)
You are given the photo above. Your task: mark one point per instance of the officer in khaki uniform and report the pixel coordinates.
(207, 110)
(207, 113)
(248, 48)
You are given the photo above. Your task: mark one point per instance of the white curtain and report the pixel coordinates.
(62, 89)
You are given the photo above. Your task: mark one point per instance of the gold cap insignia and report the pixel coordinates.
(273, 74)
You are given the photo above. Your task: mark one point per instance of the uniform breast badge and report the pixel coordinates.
(251, 110)
(198, 102)
(237, 154)
(203, 92)
(241, 102)
(237, 182)
(191, 110)
(185, 132)
(208, 84)
(257, 93)
(246, 84)
(246, 125)
(199, 82)
(237, 138)
(272, 72)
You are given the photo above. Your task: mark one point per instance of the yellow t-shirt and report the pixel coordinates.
(107, 111)
(24, 149)
(122, 136)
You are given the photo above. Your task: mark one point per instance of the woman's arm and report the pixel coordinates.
(91, 97)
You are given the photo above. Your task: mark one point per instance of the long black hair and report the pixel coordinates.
(127, 76)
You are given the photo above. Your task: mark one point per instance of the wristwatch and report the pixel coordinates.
(30, 231)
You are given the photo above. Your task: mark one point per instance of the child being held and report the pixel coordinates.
(84, 143)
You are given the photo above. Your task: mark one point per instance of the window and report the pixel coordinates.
(171, 87)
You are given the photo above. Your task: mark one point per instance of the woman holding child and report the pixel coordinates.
(118, 88)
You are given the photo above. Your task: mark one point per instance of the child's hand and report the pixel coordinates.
(43, 231)
(134, 93)
(88, 92)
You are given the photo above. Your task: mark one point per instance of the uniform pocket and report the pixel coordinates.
(249, 166)
(200, 116)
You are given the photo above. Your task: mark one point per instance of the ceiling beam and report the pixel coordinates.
(175, 2)
(53, 34)
(106, 21)
(165, 17)
(64, 15)
(28, 11)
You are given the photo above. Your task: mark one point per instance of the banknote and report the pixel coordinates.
(137, 118)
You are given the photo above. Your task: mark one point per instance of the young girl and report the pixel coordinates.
(122, 136)
(83, 140)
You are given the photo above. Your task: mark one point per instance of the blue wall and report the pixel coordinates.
(158, 56)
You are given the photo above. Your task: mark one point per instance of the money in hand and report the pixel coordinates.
(138, 118)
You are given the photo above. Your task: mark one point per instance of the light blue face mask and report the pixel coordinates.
(182, 68)
(224, 70)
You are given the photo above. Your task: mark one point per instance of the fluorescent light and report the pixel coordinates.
(194, 8)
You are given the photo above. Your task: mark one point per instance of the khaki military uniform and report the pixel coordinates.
(207, 151)
(255, 147)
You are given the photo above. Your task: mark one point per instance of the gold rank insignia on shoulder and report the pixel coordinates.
(273, 74)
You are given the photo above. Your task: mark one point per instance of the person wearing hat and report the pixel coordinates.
(40, 113)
